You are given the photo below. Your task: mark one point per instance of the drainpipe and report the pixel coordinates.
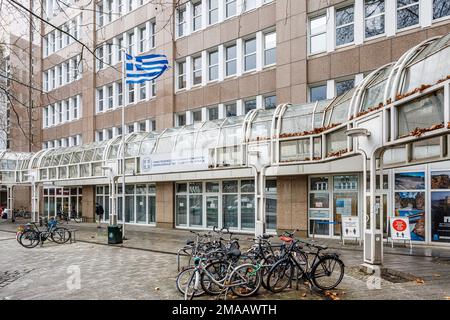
(260, 197)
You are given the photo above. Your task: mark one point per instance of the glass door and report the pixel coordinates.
(212, 211)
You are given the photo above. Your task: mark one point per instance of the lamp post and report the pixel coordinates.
(373, 236)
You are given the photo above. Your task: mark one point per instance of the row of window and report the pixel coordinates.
(63, 73)
(229, 109)
(63, 142)
(53, 7)
(197, 15)
(136, 41)
(111, 96)
(110, 10)
(57, 39)
(344, 24)
(232, 59)
(62, 112)
(142, 126)
(331, 89)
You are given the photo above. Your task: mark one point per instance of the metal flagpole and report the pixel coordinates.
(125, 101)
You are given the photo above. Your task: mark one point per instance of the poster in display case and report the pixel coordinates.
(410, 181)
(412, 205)
(440, 216)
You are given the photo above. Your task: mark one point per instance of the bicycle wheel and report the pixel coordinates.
(60, 235)
(280, 275)
(327, 273)
(245, 280)
(193, 285)
(183, 279)
(29, 238)
(216, 270)
(267, 263)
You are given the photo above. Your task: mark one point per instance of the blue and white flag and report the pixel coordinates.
(145, 68)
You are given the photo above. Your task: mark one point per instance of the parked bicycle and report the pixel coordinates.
(29, 236)
(216, 265)
(305, 261)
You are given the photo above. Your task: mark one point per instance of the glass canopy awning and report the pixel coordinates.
(410, 91)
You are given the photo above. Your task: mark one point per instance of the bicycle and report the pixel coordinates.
(243, 280)
(31, 235)
(321, 268)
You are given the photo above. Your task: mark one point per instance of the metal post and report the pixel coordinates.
(125, 101)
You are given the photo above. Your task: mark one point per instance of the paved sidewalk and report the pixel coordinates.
(420, 273)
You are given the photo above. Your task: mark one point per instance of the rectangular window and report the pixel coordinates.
(213, 113)
(142, 126)
(60, 75)
(181, 21)
(131, 93)
(110, 10)
(344, 86)
(270, 48)
(407, 13)
(181, 119)
(109, 52)
(441, 8)
(131, 43)
(99, 100)
(197, 116)
(182, 75)
(119, 47)
(230, 8)
(153, 88)
(67, 77)
(100, 15)
(374, 17)
(318, 34)
(318, 93)
(197, 70)
(67, 110)
(249, 105)
(130, 128)
(345, 25)
(231, 109)
(99, 58)
(213, 65)
(249, 4)
(119, 94)
(231, 60)
(110, 97)
(250, 54)
(196, 16)
(142, 40)
(142, 91)
(213, 14)
(151, 35)
(270, 102)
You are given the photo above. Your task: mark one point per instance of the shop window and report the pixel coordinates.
(421, 113)
(271, 204)
(410, 201)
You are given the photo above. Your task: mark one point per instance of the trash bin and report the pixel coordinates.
(114, 234)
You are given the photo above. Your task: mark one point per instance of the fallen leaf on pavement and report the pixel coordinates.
(420, 281)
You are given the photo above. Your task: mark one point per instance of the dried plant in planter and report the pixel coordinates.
(416, 90)
(361, 113)
(444, 79)
(417, 132)
(309, 132)
(338, 153)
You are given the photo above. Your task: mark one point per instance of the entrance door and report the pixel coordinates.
(212, 211)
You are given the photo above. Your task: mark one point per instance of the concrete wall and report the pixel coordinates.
(292, 203)
(165, 211)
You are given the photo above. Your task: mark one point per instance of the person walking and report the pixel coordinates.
(99, 212)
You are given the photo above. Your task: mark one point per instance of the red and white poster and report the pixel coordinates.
(400, 228)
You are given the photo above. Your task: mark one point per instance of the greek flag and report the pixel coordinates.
(145, 68)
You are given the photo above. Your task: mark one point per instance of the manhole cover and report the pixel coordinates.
(7, 277)
(394, 278)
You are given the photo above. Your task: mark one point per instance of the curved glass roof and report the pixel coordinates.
(425, 64)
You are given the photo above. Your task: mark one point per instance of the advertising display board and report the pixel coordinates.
(350, 228)
(400, 229)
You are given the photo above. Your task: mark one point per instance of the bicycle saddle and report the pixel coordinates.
(234, 253)
(189, 242)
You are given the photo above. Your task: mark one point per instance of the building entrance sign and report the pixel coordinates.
(173, 162)
(350, 228)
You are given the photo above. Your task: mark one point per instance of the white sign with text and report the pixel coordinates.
(350, 227)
